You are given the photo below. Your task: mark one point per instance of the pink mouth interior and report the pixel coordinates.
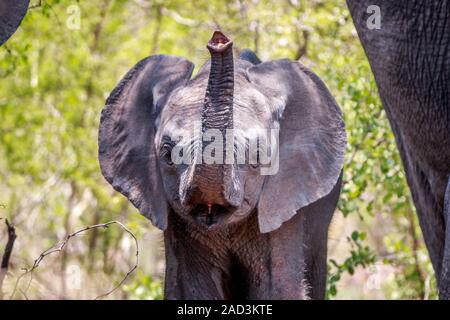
(218, 39)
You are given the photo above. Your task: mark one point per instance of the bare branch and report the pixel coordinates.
(37, 5)
(303, 45)
(179, 19)
(157, 31)
(60, 246)
(7, 254)
(40, 4)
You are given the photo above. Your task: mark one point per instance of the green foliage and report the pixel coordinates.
(144, 288)
(360, 255)
(54, 81)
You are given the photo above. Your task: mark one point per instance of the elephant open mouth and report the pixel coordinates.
(212, 215)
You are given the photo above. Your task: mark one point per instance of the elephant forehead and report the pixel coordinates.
(250, 109)
(187, 119)
(183, 111)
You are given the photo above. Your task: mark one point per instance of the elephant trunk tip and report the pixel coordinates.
(219, 43)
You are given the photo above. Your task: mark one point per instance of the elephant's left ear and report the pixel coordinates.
(127, 154)
(312, 140)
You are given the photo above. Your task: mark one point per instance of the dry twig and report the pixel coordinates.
(59, 247)
(37, 5)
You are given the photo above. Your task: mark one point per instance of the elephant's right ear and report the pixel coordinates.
(312, 140)
(127, 130)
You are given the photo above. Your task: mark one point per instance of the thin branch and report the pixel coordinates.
(7, 254)
(94, 49)
(37, 5)
(70, 208)
(256, 36)
(98, 28)
(56, 16)
(59, 247)
(179, 19)
(92, 242)
(157, 31)
(301, 34)
(303, 44)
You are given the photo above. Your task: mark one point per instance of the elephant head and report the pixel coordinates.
(158, 115)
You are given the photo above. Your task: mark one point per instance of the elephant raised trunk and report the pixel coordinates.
(218, 105)
(217, 114)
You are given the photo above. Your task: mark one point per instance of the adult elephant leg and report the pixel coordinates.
(444, 285)
(429, 211)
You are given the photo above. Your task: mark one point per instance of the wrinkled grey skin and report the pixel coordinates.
(410, 59)
(265, 237)
(11, 14)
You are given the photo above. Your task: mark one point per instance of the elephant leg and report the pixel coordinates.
(285, 277)
(189, 276)
(299, 251)
(316, 241)
(195, 268)
(428, 210)
(444, 283)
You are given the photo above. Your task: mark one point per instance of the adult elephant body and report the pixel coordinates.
(11, 14)
(410, 58)
(230, 231)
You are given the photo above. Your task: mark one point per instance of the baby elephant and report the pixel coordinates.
(240, 166)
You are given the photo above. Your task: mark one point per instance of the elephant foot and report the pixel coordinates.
(444, 281)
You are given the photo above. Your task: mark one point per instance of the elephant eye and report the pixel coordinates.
(166, 153)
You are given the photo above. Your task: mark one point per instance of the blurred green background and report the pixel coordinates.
(61, 64)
